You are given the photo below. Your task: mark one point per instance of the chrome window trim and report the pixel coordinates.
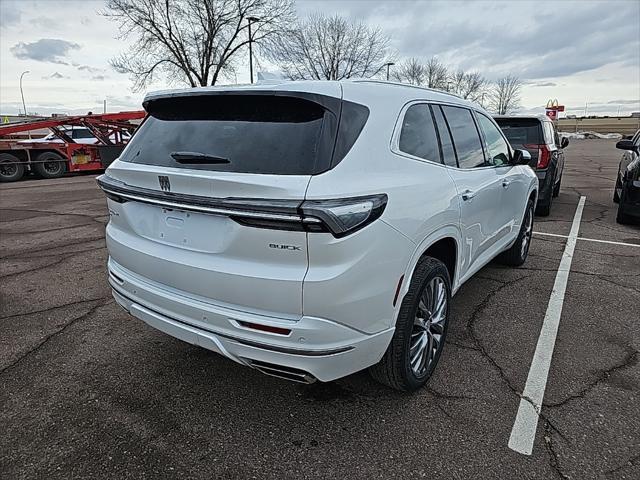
(395, 138)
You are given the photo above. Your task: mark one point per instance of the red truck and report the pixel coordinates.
(76, 143)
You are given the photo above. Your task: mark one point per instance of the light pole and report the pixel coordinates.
(388, 64)
(250, 20)
(21, 92)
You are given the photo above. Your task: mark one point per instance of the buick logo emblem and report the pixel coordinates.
(165, 184)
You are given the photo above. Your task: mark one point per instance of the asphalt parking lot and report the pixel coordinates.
(88, 392)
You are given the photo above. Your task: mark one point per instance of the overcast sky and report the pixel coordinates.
(574, 50)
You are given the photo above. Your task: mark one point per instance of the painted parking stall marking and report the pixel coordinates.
(609, 242)
(524, 428)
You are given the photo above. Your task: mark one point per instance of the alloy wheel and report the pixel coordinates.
(428, 327)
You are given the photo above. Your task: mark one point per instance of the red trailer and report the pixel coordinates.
(76, 143)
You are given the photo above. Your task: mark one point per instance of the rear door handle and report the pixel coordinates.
(468, 195)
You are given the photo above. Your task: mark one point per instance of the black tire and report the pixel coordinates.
(616, 197)
(395, 368)
(556, 188)
(11, 170)
(49, 165)
(621, 217)
(545, 209)
(517, 253)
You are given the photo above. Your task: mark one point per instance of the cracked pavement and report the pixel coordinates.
(88, 392)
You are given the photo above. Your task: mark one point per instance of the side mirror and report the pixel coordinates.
(521, 157)
(564, 143)
(626, 145)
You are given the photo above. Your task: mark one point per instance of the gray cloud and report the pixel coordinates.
(87, 68)
(9, 14)
(533, 39)
(543, 84)
(40, 22)
(44, 50)
(98, 77)
(54, 76)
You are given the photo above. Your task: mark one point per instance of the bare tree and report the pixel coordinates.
(505, 95)
(195, 41)
(436, 74)
(468, 85)
(330, 48)
(410, 71)
(432, 74)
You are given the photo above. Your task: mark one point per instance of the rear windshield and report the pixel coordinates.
(265, 134)
(520, 131)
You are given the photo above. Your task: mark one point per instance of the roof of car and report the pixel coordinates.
(401, 91)
(541, 117)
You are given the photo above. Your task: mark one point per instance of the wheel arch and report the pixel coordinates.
(445, 245)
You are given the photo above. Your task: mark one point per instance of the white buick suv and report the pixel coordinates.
(313, 229)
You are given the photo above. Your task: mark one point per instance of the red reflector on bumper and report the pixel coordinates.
(266, 328)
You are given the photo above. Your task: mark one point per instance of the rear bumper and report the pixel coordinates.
(314, 348)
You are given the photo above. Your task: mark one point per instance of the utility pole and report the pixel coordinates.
(250, 20)
(104, 106)
(388, 64)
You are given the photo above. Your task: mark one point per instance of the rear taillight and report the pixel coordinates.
(544, 154)
(340, 217)
(344, 216)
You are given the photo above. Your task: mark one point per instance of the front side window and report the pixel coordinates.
(465, 137)
(496, 144)
(418, 135)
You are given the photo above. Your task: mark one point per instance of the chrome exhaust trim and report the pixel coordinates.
(280, 371)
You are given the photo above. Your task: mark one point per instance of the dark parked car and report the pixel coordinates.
(627, 191)
(538, 135)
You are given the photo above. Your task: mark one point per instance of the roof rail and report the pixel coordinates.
(401, 84)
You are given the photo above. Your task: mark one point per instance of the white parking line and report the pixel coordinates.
(610, 242)
(524, 428)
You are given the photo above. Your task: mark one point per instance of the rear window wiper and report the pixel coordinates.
(197, 158)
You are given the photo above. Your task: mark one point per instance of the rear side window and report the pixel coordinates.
(521, 131)
(465, 137)
(448, 152)
(418, 135)
(263, 134)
